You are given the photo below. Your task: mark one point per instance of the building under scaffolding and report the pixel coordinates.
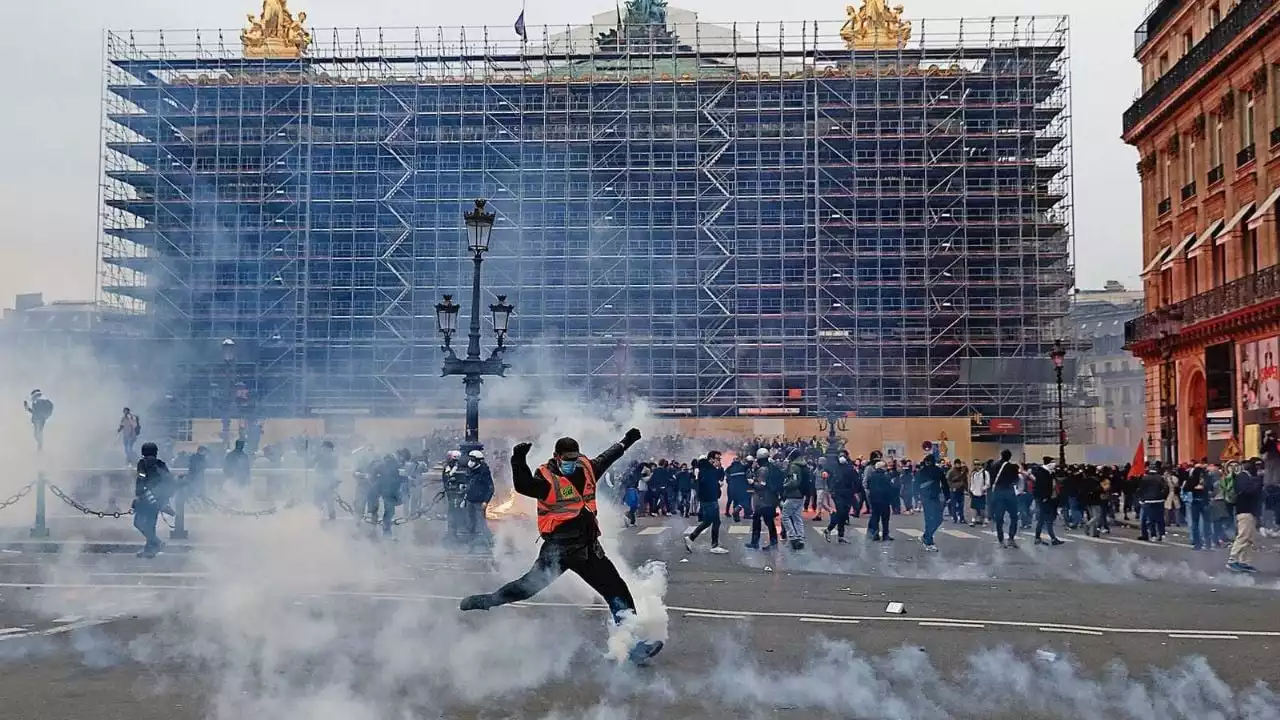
(725, 219)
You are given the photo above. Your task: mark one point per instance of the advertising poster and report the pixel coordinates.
(1249, 382)
(894, 450)
(1269, 373)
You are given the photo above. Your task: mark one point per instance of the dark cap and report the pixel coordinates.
(567, 448)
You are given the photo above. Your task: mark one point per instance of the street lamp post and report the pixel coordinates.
(1059, 355)
(832, 422)
(228, 363)
(473, 367)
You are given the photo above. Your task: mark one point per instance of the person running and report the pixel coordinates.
(710, 475)
(565, 488)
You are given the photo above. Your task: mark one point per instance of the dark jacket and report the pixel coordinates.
(152, 485)
(929, 482)
(709, 478)
(479, 484)
(1043, 486)
(879, 487)
(767, 485)
(236, 465)
(1152, 488)
(684, 482)
(840, 481)
(1248, 493)
(584, 529)
(1196, 484)
(736, 478)
(1006, 476)
(798, 481)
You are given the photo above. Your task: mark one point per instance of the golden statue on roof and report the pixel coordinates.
(275, 33)
(875, 26)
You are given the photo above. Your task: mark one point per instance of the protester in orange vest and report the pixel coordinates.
(565, 488)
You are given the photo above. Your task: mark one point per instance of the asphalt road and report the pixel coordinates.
(288, 618)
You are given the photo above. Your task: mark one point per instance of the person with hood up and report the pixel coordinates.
(479, 494)
(929, 484)
(710, 475)
(796, 486)
(765, 488)
(880, 495)
(840, 482)
(565, 489)
(150, 497)
(235, 466)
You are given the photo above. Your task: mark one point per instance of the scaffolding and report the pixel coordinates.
(734, 219)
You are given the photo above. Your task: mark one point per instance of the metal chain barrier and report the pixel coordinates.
(244, 513)
(367, 519)
(58, 493)
(17, 496)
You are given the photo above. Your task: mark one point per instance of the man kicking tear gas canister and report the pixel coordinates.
(565, 488)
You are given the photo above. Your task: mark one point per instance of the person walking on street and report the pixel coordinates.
(1248, 489)
(1045, 485)
(841, 485)
(129, 429)
(709, 477)
(1196, 486)
(880, 494)
(979, 484)
(41, 409)
(766, 488)
(1004, 498)
(150, 497)
(795, 488)
(735, 478)
(565, 489)
(957, 485)
(929, 484)
(1152, 489)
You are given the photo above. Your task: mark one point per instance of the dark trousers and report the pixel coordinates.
(588, 561)
(1004, 502)
(709, 515)
(955, 505)
(764, 514)
(477, 526)
(1152, 515)
(1044, 519)
(145, 516)
(840, 518)
(878, 525)
(37, 428)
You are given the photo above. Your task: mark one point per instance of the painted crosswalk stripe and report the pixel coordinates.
(830, 621)
(943, 624)
(739, 530)
(1071, 631)
(909, 532)
(1092, 539)
(959, 534)
(1203, 636)
(10, 631)
(68, 619)
(652, 530)
(716, 616)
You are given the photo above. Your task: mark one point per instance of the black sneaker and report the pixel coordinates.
(1058, 542)
(474, 602)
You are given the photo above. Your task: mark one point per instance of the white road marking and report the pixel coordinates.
(967, 625)
(653, 530)
(426, 597)
(717, 616)
(69, 619)
(69, 627)
(829, 621)
(1092, 539)
(959, 534)
(10, 631)
(909, 532)
(739, 530)
(1203, 636)
(1072, 631)
(152, 574)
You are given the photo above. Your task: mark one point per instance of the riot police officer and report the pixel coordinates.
(454, 477)
(386, 488)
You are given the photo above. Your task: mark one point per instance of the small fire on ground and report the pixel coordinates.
(505, 509)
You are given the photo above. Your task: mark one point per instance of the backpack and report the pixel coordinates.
(137, 425)
(43, 407)
(1229, 488)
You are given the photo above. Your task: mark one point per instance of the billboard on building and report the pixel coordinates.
(1260, 374)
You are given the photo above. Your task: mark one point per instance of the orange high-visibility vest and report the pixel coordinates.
(563, 502)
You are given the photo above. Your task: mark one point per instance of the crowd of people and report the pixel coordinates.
(776, 484)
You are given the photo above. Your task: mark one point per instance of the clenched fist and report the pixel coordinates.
(522, 449)
(632, 436)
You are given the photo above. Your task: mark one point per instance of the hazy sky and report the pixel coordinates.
(51, 107)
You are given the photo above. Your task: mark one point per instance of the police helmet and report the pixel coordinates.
(476, 455)
(762, 454)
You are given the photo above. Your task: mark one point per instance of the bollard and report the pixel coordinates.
(40, 529)
(179, 531)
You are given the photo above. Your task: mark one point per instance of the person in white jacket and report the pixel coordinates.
(979, 483)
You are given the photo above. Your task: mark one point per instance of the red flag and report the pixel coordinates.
(1139, 466)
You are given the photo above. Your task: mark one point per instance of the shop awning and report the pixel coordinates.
(1202, 242)
(1157, 260)
(1263, 209)
(1235, 220)
(1178, 250)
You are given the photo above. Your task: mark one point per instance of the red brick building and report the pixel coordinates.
(1207, 128)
